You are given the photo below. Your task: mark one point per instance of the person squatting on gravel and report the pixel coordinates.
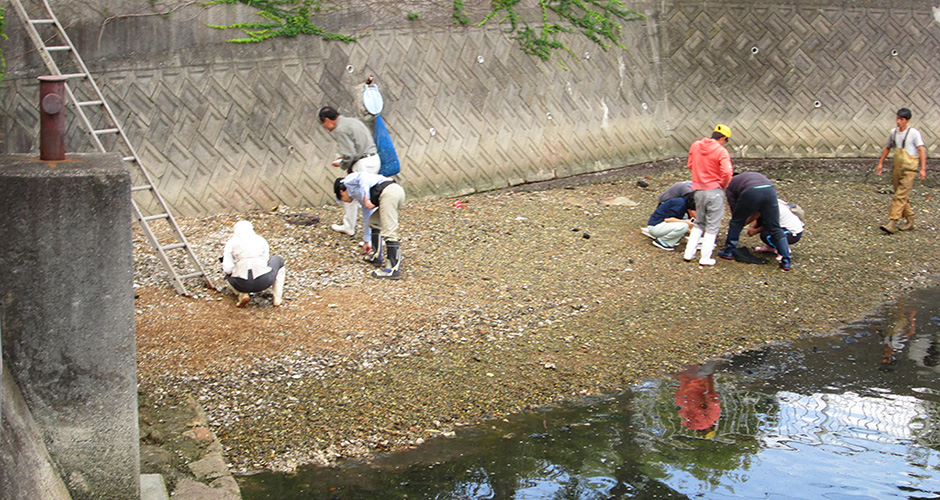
(671, 220)
(711, 171)
(791, 220)
(749, 193)
(385, 197)
(908, 147)
(676, 190)
(248, 267)
(357, 154)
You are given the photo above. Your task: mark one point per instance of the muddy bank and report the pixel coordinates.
(520, 298)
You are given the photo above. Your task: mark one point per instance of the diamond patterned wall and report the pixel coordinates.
(227, 127)
(802, 79)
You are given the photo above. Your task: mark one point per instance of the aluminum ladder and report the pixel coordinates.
(62, 59)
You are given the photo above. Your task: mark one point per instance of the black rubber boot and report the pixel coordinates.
(393, 268)
(375, 256)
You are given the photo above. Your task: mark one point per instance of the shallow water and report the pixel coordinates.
(855, 416)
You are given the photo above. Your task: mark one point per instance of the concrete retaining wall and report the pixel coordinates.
(67, 311)
(230, 127)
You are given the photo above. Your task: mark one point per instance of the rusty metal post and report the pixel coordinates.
(52, 118)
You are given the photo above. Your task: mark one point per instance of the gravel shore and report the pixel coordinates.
(519, 298)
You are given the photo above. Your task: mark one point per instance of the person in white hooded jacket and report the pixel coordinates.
(248, 267)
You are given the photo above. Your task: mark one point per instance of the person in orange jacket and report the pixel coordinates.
(711, 169)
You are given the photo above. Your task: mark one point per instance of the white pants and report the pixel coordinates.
(669, 232)
(369, 164)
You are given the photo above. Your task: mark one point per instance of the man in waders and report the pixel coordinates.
(908, 147)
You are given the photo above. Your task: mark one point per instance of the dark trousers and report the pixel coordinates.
(260, 283)
(761, 199)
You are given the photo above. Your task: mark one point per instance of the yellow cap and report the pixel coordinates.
(723, 130)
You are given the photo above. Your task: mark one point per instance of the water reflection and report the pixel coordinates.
(853, 416)
(698, 401)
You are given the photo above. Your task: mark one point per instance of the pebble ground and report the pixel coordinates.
(519, 298)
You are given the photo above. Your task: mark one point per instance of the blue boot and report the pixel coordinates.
(728, 252)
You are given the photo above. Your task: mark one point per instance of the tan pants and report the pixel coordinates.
(902, 178)
(385, 218)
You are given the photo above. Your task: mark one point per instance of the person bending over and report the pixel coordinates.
(749, 193)
(385, 197)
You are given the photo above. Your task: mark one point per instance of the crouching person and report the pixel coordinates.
(386, 197)
(671, 221)
(791, 220)
(248, 267)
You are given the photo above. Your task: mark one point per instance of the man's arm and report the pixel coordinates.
(347, 149)
(727, 171)
(881, 161)
(228, 260)
(754, 229)
(922, 153)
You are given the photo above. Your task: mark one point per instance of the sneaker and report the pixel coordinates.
(646, 232)
(658, 243)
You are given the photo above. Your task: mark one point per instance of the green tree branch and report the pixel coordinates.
(284, 18)
(598, 20)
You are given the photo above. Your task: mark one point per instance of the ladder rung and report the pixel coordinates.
(96, 103)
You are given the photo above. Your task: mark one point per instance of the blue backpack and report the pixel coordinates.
(383, 143)
(372, 99)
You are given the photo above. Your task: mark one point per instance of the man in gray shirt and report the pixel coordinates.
(357, 154)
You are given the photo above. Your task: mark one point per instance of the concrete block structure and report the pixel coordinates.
(67, 312)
